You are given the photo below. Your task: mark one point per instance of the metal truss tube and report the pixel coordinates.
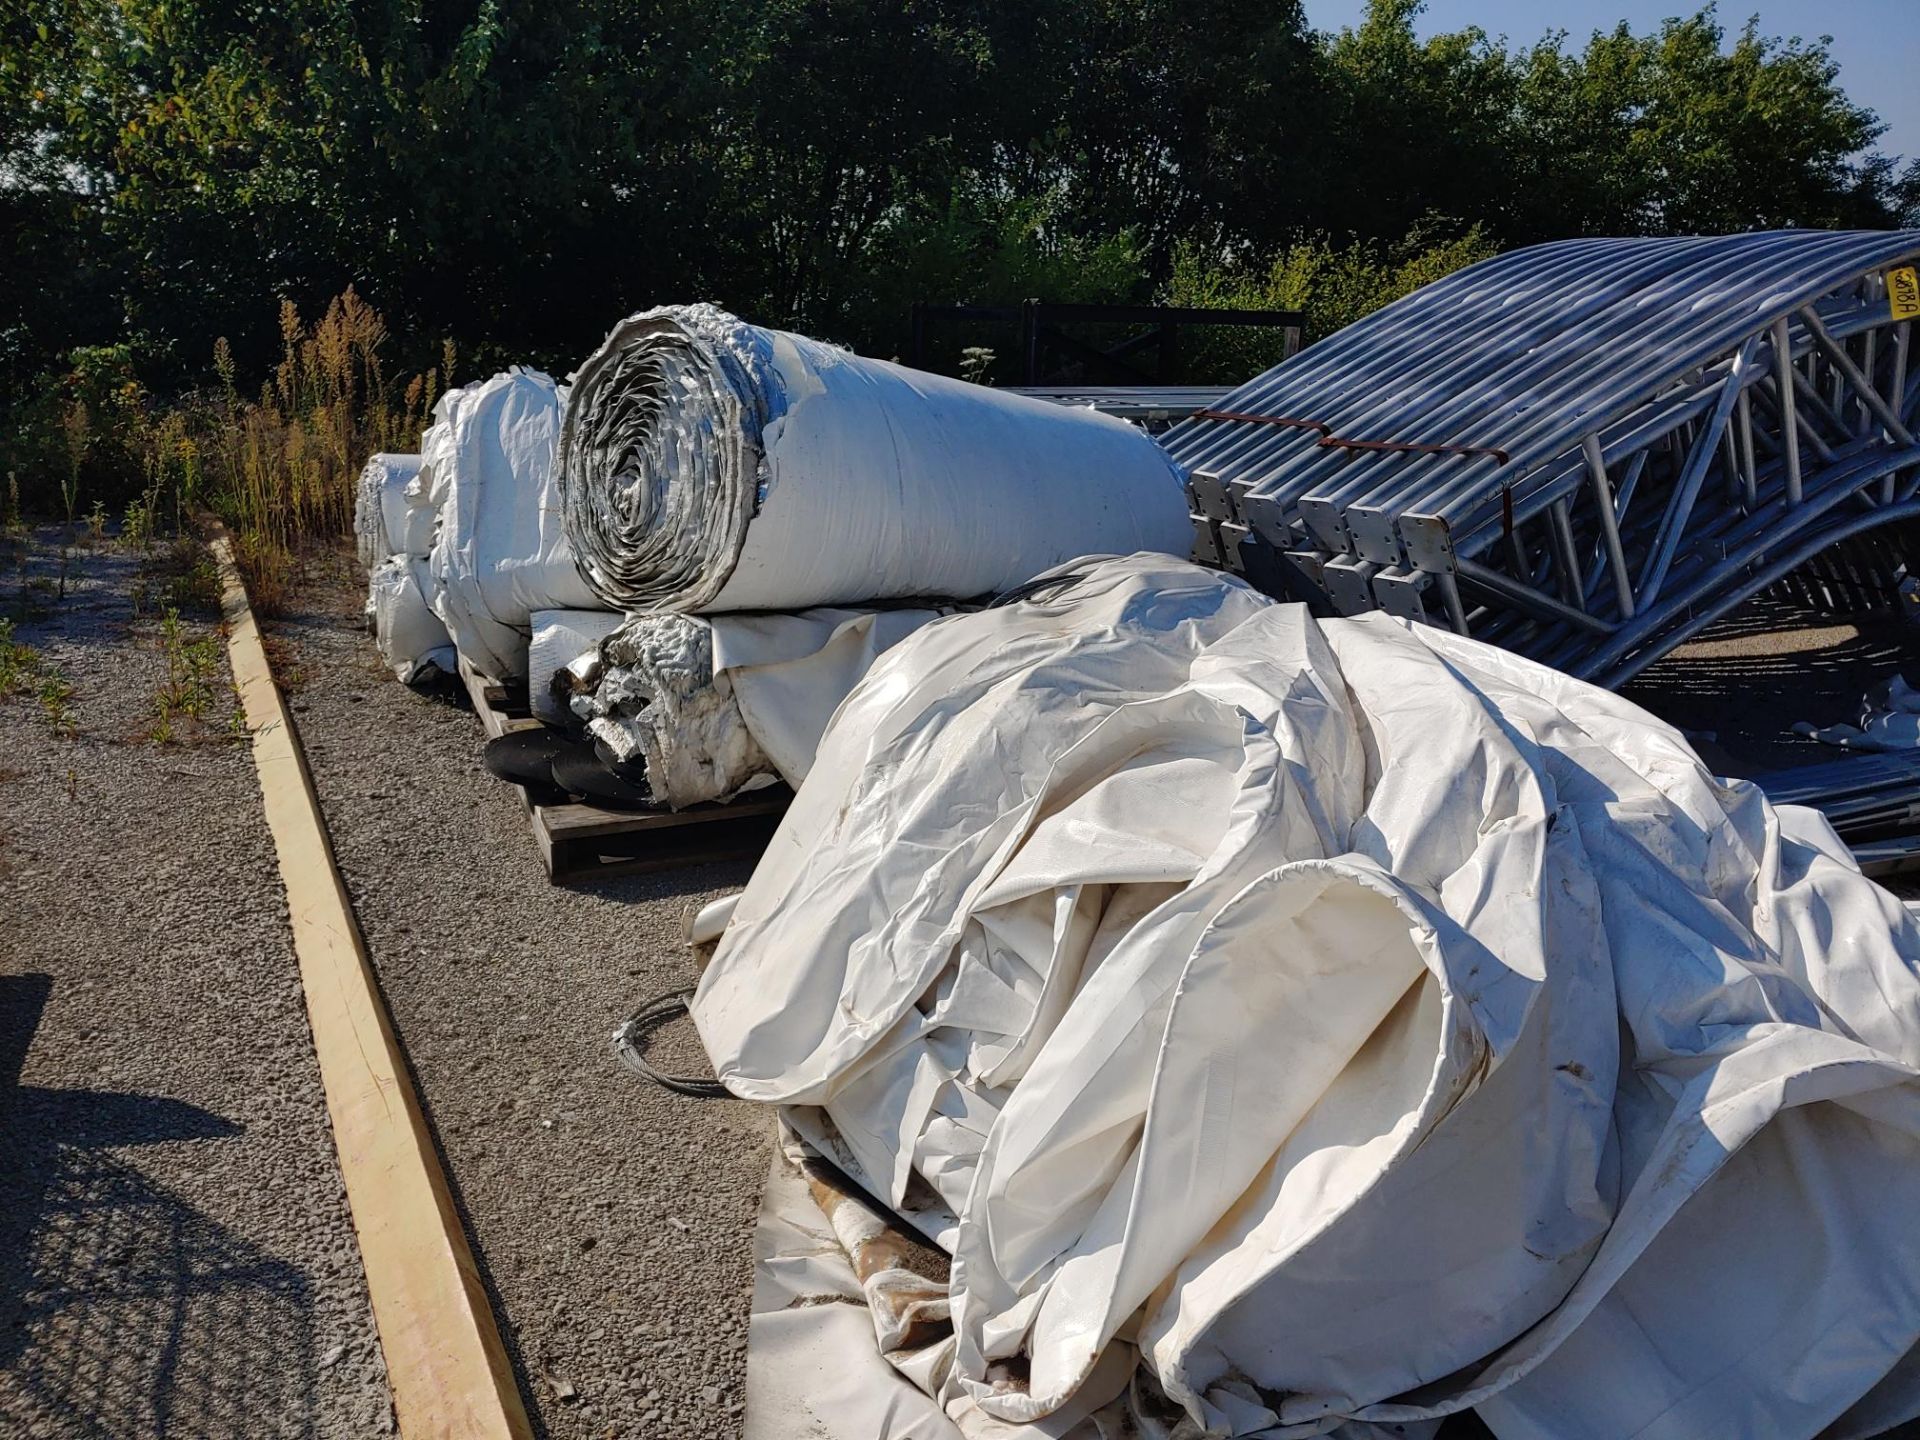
(1576, 432)
(1688, 490)
(1862, 386)
(1609, 525)
(1759, 580)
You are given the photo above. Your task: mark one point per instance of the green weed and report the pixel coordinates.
(19, 663)
(55, 691)
(187, 696)
(25, 671)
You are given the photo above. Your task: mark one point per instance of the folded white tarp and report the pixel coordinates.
(501, 552)
(719, 704)
(711, 465)
(411, 638)
(384, 522)
(1364, 1022)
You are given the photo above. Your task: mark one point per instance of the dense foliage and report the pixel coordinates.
(512, 175)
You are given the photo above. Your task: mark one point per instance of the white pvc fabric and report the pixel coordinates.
(789, 673)
(1362, 1022)
(501, 552)
(709, 465)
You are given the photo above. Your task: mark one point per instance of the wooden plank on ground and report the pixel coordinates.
(449, 1371)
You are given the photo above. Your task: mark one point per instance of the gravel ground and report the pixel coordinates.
(175, 1252)
(612, 1220)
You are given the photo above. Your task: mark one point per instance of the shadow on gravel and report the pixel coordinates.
(632, 889)
(123, 1309)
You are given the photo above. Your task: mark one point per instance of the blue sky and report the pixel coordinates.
(1876, 42)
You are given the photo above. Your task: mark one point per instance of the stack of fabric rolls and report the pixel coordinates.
(692, 553)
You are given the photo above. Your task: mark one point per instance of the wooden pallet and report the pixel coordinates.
(578, 842)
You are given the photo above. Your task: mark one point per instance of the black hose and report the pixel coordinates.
(631, 1039)
(1047, 586)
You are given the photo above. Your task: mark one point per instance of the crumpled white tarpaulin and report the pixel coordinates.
(710, 465)
(1363, 1022)
(501, 552)
(715, 705)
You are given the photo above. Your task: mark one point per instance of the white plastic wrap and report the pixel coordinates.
(1366, 1022)
(383, 520)
(501, 552)
(561, 638)
(411, 638)
(709, 465)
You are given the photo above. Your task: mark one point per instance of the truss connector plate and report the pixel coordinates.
(1325, 523)
(1263, 515)
(1207, 549)
(1374, 536)
(1209, 493)
(1429, 542)
(1403, 592)
(1234, 540)
(1349, 584)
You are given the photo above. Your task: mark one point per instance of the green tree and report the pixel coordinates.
(515, 174)
(1680, 133)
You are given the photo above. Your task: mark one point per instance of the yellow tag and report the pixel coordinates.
(1903, 292)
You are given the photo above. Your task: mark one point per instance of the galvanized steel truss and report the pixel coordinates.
(1583, 451)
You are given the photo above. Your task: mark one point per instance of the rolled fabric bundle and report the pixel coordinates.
(411, 638)
(383, 522)
(659, 704)
(501, 552)
(561, 639)
(715, 706)
(710, 465)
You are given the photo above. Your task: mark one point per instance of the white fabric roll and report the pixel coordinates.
(411, 638)
(708, 465)
(1365, 1022)
(715, 705)
(501, 552)
(381, 515)
(560, 638)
